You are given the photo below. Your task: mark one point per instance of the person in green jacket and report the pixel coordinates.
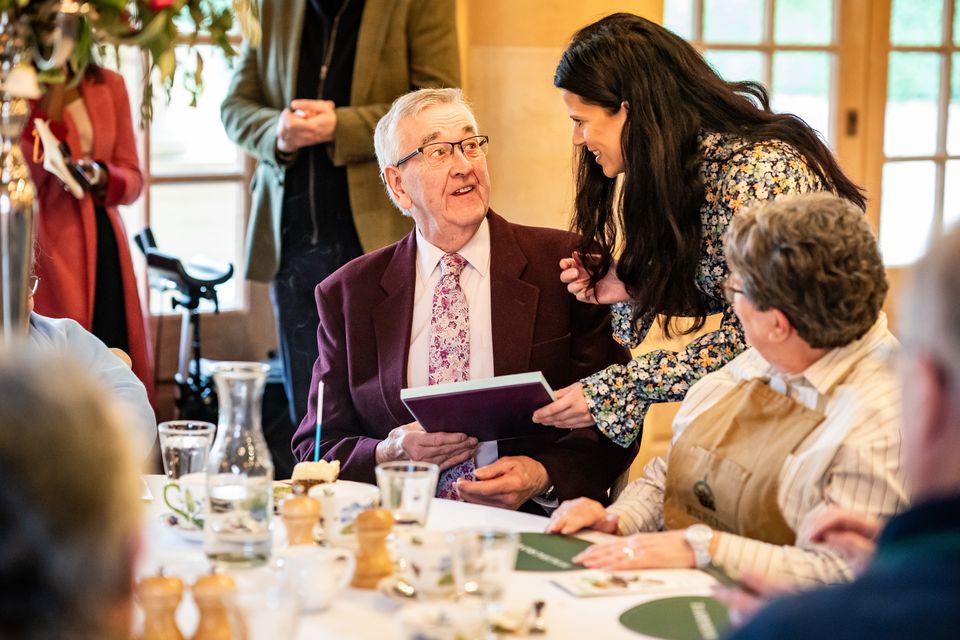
(304, 103)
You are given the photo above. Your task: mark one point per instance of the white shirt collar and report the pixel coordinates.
(822, 374)
(476, 252)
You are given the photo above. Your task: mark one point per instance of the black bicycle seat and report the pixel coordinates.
(196, 279)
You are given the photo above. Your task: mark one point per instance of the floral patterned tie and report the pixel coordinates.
(450, 351)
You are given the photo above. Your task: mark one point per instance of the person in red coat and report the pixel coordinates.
(83, 255)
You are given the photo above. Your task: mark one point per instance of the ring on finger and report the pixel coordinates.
(629, 552)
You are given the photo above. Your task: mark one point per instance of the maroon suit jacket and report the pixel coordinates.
(366, 310)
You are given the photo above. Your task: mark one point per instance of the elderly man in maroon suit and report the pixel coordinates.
(466, 295)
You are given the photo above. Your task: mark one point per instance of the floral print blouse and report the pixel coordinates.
(736, 173)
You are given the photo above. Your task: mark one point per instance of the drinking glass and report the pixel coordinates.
(483, 561)
(406, 489)
(185, 445)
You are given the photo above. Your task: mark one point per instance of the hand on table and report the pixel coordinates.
(306, 123)
(568, 411)
(411, 442)
(743, 604)
(609, 288)
(661, 550)
(582, 513)
(506, 483)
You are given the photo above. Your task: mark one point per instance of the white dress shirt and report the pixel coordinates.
(850, 461)
(475, 282)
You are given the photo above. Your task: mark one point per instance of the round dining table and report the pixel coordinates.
(357, 613)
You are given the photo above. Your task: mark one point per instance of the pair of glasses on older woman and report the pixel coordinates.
(436, 154)
(730, 291)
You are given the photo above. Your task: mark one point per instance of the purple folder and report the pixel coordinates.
(490, 409)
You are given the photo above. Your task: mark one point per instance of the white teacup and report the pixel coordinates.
(427, 559)
(317, 575)
(187, 497)
(340, 502)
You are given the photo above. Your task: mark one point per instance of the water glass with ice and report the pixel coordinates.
(185, 445)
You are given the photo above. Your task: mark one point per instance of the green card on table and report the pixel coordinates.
(681, 618)
(549, 552)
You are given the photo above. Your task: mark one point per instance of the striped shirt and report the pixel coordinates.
(850, 461)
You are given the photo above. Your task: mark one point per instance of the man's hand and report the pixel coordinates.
(582, 513)
(568, 411)
(411, 442)
(609, 288)
(306, 123)
(507, 483)
(661, 550)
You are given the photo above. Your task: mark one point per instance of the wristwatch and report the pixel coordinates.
(698, 536)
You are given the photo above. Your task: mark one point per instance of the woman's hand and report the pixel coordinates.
(851, 535)
(608, 290)
(568, 411)
(582, 513)
(661, 550)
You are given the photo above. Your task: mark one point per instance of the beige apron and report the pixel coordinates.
(724, 470)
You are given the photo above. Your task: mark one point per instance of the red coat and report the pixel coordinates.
(67, 231)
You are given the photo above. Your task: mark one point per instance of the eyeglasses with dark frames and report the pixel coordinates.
(436, 154)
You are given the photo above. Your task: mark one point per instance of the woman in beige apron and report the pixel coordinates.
(808, 418)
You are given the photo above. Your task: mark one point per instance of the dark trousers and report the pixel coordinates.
(302, 266)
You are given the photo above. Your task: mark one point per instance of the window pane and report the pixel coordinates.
(733, 21)
(912, 92)
(803, 21)
(916, 22)
(953, 112)
(956, 23)
(906, 212)
(951, 196)
(191, 220)
(191, 140)
(737, 65)
(801, 85)
(678, 17)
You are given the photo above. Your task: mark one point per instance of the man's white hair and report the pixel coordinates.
(386, 142)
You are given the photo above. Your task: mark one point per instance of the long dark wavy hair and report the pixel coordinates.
(672, 96)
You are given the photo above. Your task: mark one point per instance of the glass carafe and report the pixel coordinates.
(236, 530)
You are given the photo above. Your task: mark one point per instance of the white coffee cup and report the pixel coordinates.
(316, 574)
(427, 560)
(340, 502)
(187, 496)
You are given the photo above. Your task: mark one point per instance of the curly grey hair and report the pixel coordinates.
(814, 258)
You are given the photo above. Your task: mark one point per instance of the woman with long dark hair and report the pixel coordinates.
(692, 150)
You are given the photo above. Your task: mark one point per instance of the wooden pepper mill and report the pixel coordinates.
(159, 596)
(373, 559)
(211, 593)
(300, 514)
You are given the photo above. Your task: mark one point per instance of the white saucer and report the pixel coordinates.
(188, 532)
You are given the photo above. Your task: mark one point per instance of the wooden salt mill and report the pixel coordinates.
(211, 593)
(373, 559)
(159, 597)
(300, 514)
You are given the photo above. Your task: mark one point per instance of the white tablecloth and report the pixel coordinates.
(368, 614)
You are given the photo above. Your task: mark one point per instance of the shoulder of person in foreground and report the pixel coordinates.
(66, 335)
